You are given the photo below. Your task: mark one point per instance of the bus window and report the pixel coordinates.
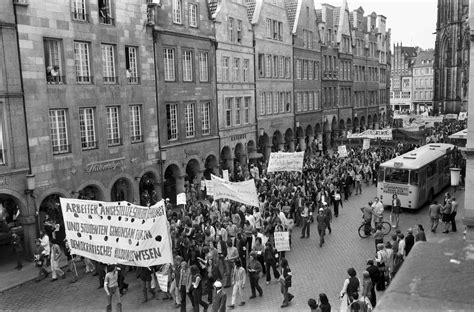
(431, 169)
(381, 174)
(414, 177)
(396, 175)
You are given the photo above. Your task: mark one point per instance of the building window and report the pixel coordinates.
(310, 101)
(193, 15)
(239, 31)
(205, 115)
(299, 102)
(228, 112)
(288, 102)
(131, 65)
(281, 66)
(172, 121)
(87, 128)
(3, 152)
(269, 102)
(245, 70)
(305, 70)
(189, 119)
(268, 66)
(113, 126)
(134, 111)
(261, 65)
(276, 102)
(298, 69)
(247, 109)
(168, 63)
(305, 101)
(187, 65)
(287, 67)
(79, 10)
(268, 28)
(105, 12)
(108, 63)
(53, 61)
(82, 62)
(225, 68)
(58, 127)
(178, 11)
(261, 103)
(311, 70)
(236, 72)
(281, 103)
(230, 30)
(275, 66)
(238, 110)
(203, 67)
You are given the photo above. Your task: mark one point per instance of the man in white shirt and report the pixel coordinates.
(377, 211)
(250, 218)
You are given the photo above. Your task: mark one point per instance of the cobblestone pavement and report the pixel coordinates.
(315, 270)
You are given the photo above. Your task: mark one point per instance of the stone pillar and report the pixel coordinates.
(29, 222)
(302, 143)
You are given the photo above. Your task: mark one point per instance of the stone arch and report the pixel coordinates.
(170, 185)
(342, 128)
(192, 183)
(122, 189)
(264, 145)
(148, 190)
(240, 161)
(318, 132)
(277, 141)
(375, 121)
(349, 124)
(92, 190)
(211, 167)
(300, 137)
(251, 147)
(356, 125)
(362, 123)
(369, 122)
(226, 158)
(12, 202)
(289, 140)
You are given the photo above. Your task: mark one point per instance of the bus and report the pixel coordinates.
(417, 176)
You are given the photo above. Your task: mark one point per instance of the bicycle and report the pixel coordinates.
(386, 228)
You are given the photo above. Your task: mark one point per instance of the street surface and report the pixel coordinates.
(315, 270)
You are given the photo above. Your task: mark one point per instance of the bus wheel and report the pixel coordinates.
(430, 197)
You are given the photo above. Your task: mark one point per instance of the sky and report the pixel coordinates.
(412, 22)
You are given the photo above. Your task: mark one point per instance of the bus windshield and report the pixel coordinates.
(395, 175)
(413, 177)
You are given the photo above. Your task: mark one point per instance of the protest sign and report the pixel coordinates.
(243, 192)
(462, 116)
(209, 188)
(117, 232)
(162, 281)
(366, 144)
(383, 134)
(181, 199)
(282, 241)
(285, 162)
(342, 151)
(225, 174)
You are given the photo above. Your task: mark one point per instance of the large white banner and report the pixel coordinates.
(117, 232)
(384, 134)
(285, 162)
(243, 192)
(342, 151)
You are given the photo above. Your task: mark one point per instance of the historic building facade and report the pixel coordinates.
(306, 64)
(274, 75)
(403, 59)
(185, 47)
(235, 85)
(88, 89)
(422, 93)
(451, 65)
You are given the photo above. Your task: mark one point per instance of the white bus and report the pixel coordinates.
(417, 176)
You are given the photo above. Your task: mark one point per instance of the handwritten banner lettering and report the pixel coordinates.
(117, 232)
(282, 241)
(243, 192)
(285, 162)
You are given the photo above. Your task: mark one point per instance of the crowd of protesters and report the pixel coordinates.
(224, 244)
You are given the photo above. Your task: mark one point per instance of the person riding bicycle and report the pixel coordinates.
(367, 216)
(377, 211)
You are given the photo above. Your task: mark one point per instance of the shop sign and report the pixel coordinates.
(238, 137)
(395, 189)
(190, 152)
(110, 164)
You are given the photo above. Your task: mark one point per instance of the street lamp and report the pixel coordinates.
(30, 184)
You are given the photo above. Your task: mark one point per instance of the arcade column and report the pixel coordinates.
(29, 218)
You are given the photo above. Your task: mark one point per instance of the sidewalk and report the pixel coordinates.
(11, 278)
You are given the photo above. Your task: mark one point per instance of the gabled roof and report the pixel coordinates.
(250, 9)
(422, 58)
(212, 6)
(291, 8)
(409, 51)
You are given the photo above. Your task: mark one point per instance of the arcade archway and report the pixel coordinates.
(342, 128)
(172, 174)
(91, 192)
(376, 122)
(369, 122)
(362, 123)
(289, 141)
(334, 131)
(147, 188)
(211, 167)
(356, 125)
(300, 139)
(192, 181)
(122, 190)
(277, 141)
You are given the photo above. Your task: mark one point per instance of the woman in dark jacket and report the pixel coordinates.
(196, 286)
(324, 303)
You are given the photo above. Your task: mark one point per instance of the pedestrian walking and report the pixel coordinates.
(321, 220)
(196, 288)
(434, 211)
(111, 287)
(144, 273)
(336, 200)
(271, 261)
(409, 242)
(184, 284)
(254, 269)
(18, 250)
(55, 269)
(396, 209)
(324, 304)
(350, 287)
(71, 261)
(374, 274)
(378, 236)
(40, 260)
(285, 280)
(238, 282)
(446, 214)
(218, 305)
(454, 211)
(420, 233)
(305, 215)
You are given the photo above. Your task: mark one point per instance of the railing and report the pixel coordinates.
(114, 141)
(56, 80)
(89, 145)
(106, 20)
(85, 79)
(110, 80)
(61, 149)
